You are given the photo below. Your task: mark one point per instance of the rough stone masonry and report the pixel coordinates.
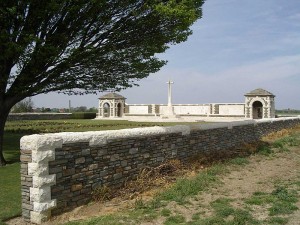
(59, 171)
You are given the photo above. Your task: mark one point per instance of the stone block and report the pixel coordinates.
(93, 166)
(76, 187)
(115, 157)
(25, 158)
(102, 152)
(80, 160)
(146, 155)
(86, 151)
(117, 176)
(68, 172)
(133, 150)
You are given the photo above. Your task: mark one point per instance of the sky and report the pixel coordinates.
(236, 47)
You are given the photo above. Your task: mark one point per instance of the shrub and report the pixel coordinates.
(83, 115)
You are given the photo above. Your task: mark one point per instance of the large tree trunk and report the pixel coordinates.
(3, 117)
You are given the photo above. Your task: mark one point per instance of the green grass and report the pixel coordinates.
(10, 185)
(52, 126)
(281, 201)
(239, 161)
(222, 207)
(265, 150)
(286, 141)
(178, 219)
(165, 212)
(277, 221)
(10, 194)
(184, 188)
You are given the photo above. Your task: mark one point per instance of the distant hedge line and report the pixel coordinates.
(83, 115)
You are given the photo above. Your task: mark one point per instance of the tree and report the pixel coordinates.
(84, 46)
(25, 105)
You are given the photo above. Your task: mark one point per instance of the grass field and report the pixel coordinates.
(46, 126)
(10, 196)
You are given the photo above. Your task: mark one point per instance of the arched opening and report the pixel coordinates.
(106, 110)
(119, 110)
(257, 110)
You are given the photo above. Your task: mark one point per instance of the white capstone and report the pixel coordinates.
(40, 142)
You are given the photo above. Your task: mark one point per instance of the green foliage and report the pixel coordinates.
(284, 202)
(222, 207)
(260, 198)
(277, 221)
(281, 199)
(23, 106)
(264, 150)
(286, 141)
(83, 115)
(196, 216)
(165, 212)
(239, 161)
(88, 45)
(288, 111)
(185, 188)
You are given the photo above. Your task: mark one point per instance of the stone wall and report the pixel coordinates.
(60, 171)
(39, 116)
(215, 109)
(232, 109)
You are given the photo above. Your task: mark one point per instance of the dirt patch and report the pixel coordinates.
(259, 175)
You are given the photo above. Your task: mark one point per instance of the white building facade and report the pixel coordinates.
(259, 104)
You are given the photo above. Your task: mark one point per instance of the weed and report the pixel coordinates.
(281, 199)
(239, 161)
(165, 212)
(102, 193)
(282, 208)
(196, 216)
(260, 198)
(139, 204)
(184, 188)
(285, 195)
(243, 217)
(264, 150)
(278, 144)
(277, 221)
(178, 219)
(222, 207)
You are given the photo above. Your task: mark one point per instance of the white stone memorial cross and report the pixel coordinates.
(170, 92)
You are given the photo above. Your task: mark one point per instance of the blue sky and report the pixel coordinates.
(238, 46)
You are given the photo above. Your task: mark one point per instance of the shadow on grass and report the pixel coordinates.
(11, 146)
